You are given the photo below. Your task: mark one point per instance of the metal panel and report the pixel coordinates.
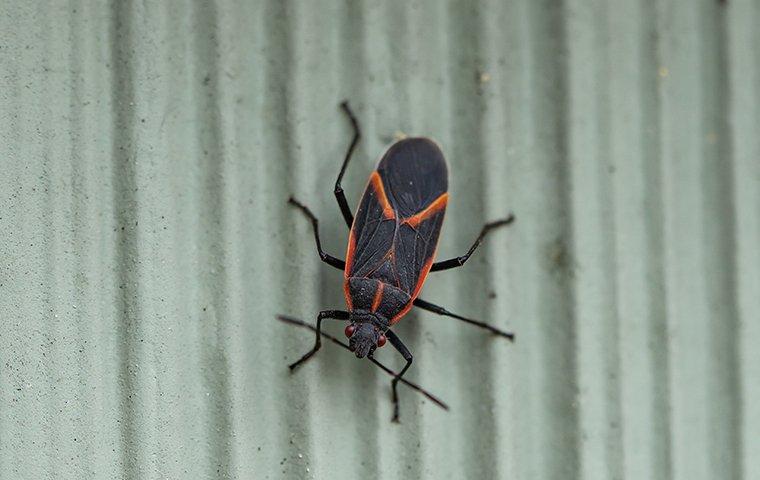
(148, 149)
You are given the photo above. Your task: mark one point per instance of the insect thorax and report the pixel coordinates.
(365, 316)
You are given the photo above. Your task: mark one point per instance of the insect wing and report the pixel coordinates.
(399, 218)
(372, 233)
(415, 248)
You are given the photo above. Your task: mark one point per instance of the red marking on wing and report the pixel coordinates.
(417, 288)
(377, 185)
(349, 262)
(378, 296)
(435, 207)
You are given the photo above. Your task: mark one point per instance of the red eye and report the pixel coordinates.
(381, 341)
(349, 331)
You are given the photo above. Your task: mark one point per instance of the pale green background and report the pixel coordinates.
(147, 151)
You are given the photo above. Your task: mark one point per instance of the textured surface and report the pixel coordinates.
(148, 148)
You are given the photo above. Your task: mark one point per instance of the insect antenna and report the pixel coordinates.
(413, 386)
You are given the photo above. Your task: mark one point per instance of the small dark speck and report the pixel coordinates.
(207, 79)
(204, 309)
(491, 294)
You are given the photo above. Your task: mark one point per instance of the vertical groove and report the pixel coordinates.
(295, 434)
(82, 293)
(564, 404)
(655, 237)
(720, 269)
(592, 171)
(608, 263)
(125, 206)
(685, 255)
(743, 63)
(213, 226)
(556, 309)
(476, 376)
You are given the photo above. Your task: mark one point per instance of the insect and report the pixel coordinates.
(391, 247)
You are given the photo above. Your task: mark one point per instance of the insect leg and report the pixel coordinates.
(430, 307)
(334, 314)
(339, 194)
(396, 342)
(328, 259)
(413, 386)
(459, 261)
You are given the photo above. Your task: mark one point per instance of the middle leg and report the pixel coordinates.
(430, 307)
(459, 261)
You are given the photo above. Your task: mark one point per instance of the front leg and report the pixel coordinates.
(328, 259)
(335, 314)
(398, 345)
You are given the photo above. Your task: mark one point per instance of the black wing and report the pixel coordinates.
(414, 174)
(395, 233)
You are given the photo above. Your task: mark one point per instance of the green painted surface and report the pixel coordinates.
(147, 151)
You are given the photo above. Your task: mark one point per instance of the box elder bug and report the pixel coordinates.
(391, 247)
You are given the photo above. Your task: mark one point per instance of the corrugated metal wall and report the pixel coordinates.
(147, 152)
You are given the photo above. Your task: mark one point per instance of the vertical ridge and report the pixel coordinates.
(555, 304)
(743, 58)
(506, 87)
(125, 204)
(80, 290)
(593, 205)
(685, 253)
